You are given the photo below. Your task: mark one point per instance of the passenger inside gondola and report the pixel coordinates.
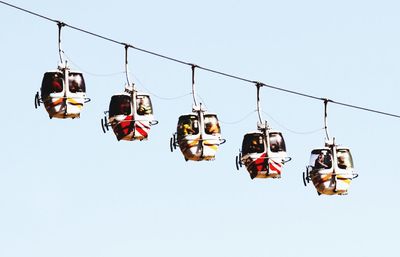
(323, 161)
(277, 144)
(187, 128)
(253, 143)
(187, 125)
(341, 162)
(56, 84)
(52, 83)
(143, 107)
(120, 105)
(76, 83)
(211, 125)
(125, 106)
(344, 159)
(255, 146)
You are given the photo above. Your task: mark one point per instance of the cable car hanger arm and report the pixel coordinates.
(193, 84)
(326, 117)
(60, 51)
(258, 85)
(126, 65)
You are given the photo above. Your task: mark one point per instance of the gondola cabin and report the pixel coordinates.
(331, 170)
(131, 119)
(63, 93)
(263, 154)
(198, 136)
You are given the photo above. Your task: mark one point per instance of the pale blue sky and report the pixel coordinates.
(68, 190)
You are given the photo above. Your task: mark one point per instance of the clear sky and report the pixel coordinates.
(68, 190)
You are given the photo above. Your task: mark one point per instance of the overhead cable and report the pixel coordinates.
(255, 83)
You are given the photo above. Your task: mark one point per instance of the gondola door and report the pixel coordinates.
(52, 93)
(321, 170)
(120, 116)
(254, 154)
(211, 136)
(277, 155)
(143, 116)
(343, 169)
(75, 94)
(189, 137)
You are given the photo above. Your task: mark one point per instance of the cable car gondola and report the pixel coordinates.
(130, 113)
(263, 151)
(63, 92)
(198, 134)
(331, 168)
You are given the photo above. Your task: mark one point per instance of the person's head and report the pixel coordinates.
(56, 84)
(142, 102)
